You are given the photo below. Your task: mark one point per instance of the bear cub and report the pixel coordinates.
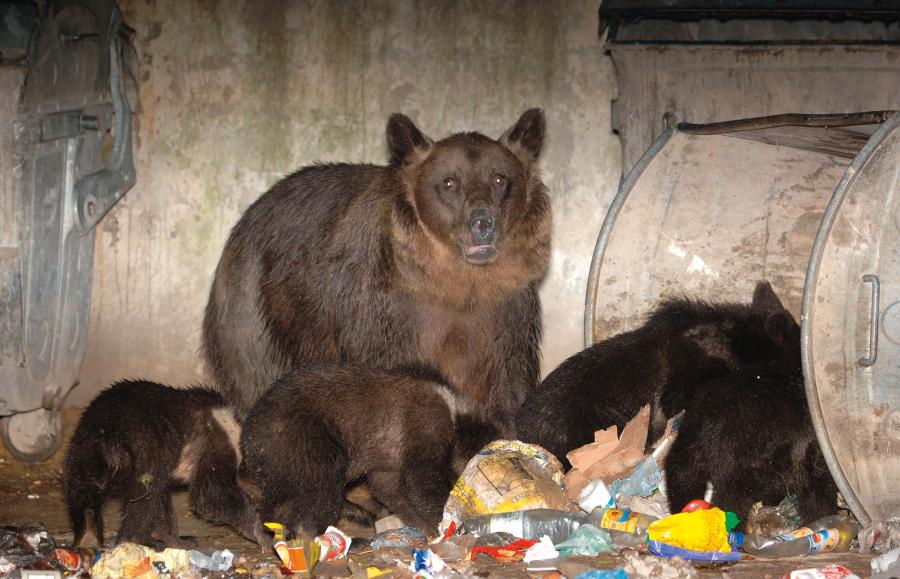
(749, 433)
(684, 342)
(321, 427)
(136, 442)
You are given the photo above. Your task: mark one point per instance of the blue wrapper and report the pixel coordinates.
(664, 550)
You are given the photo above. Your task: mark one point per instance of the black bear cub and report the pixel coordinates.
(749, 433)
(136, 442)
(407, 431)
(684, 342)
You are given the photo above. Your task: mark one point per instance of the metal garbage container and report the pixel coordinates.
(72, 136)
(809, 202)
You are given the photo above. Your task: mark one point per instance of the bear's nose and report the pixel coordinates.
(481, 224)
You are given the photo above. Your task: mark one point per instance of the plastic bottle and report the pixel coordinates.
(828, 534)
(533, 524)
(622, 520)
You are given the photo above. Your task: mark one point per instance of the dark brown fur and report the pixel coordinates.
(683, 343)
(750, 435)
(321, 427)
(381, 266)
(137, 441)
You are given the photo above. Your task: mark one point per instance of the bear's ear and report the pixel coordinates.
(781, 328)
(403, 138)
(764, 298)
(527, 135)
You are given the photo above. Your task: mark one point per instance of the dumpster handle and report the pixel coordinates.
(873, 320)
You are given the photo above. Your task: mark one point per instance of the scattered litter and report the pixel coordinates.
(593, 495)
(778, 520)
(622, 520)
(886, 565)
(402, 537)
(608, 574)
(333, 544)
(637, 565)
(425, 563)
(220, 560)
(697, 531)
(696, 505)
(502, 547)
(33, 497)
(609, 457)
(389, 523)
(298, 555)
(533, 524)
(833, 533)
(832, 571)
(880, 537)
(656, 505)
(642, 481)
(506, 476)
(543, 550)
(131, 560)
(586, 540)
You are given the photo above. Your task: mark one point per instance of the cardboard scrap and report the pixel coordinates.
(609, 457)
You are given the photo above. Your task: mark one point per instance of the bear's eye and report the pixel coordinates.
(499, 181)
(450, 184)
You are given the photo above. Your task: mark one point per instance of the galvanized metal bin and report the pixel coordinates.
(73, 135)
(809, 202)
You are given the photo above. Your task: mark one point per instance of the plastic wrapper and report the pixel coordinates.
(771, 521)
(425, 563)
(653, 567)
(696, 531)
(888, 563)
(541, 551)
(220, 560)
(454, 548)
(832, 571)
(586, 540)
(130, 560)
(880, 537)
(656, 505)
(643, 481)
(503, 547)
(402, 537)
(506, 476)
(604, 574)
(665, 550)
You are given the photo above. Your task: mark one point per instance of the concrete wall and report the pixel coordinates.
(236, 94)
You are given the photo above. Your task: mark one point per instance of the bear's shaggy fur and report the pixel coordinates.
(749, 433)
(432, 259)
(406, 431)
(684, 342)
(138, 440)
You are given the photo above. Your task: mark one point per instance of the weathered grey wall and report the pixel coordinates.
(236, 94)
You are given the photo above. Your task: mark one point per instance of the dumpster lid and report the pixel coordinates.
(832, 134)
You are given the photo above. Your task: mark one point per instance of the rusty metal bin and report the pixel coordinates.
(809, 202)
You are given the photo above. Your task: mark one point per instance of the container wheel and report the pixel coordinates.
(32, 436)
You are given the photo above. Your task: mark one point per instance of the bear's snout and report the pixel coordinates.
(481, 225)
(482, 233)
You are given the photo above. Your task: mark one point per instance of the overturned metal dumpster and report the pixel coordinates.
(809, 202)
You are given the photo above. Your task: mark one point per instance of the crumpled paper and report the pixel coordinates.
(610, 456)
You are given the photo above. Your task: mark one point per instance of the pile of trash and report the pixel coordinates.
(512, 512)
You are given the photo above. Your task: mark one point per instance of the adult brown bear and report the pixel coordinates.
(432, 259)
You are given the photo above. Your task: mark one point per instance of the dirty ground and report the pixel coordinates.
(33, 493)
